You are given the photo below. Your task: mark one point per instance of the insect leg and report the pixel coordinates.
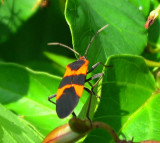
(74, 115)
(89, 105)
(94, 66)
(50, 97)
(100, 76)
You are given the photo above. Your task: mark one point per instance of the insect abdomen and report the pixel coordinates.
(71, 87)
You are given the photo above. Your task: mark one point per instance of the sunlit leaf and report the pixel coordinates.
(26, 93)
(14, 129)
(125, 34)
(128, 102)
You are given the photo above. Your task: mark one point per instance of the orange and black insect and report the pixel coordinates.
(72, 84)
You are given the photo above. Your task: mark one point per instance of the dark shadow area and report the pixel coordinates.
(14, 83)
(27, 46)
(4, 32)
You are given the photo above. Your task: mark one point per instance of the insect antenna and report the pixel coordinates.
(60, 44)
(94, 38)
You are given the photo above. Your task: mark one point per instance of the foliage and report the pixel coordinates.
(30, 70)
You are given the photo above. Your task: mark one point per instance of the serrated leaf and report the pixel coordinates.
(125, 34)
(15, 130)
(128, 103)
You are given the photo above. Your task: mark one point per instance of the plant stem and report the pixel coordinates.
(109, 129)
(152, 63)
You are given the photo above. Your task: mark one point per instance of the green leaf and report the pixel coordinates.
(26, 93)
(47, 66)
(14, 129)
(28, 44)
(128, 103)
(60, 60)
(125, 34)
(142, 5)
(12, 16)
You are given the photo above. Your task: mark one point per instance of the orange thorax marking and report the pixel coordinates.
(82, 70)
(78, 88)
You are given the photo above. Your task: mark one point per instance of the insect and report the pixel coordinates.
(72, 84)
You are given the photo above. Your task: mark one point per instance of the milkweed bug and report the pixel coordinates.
(72, 84)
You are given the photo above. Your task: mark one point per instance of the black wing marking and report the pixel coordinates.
(76, 65)
(74, 79)
(67, 102)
